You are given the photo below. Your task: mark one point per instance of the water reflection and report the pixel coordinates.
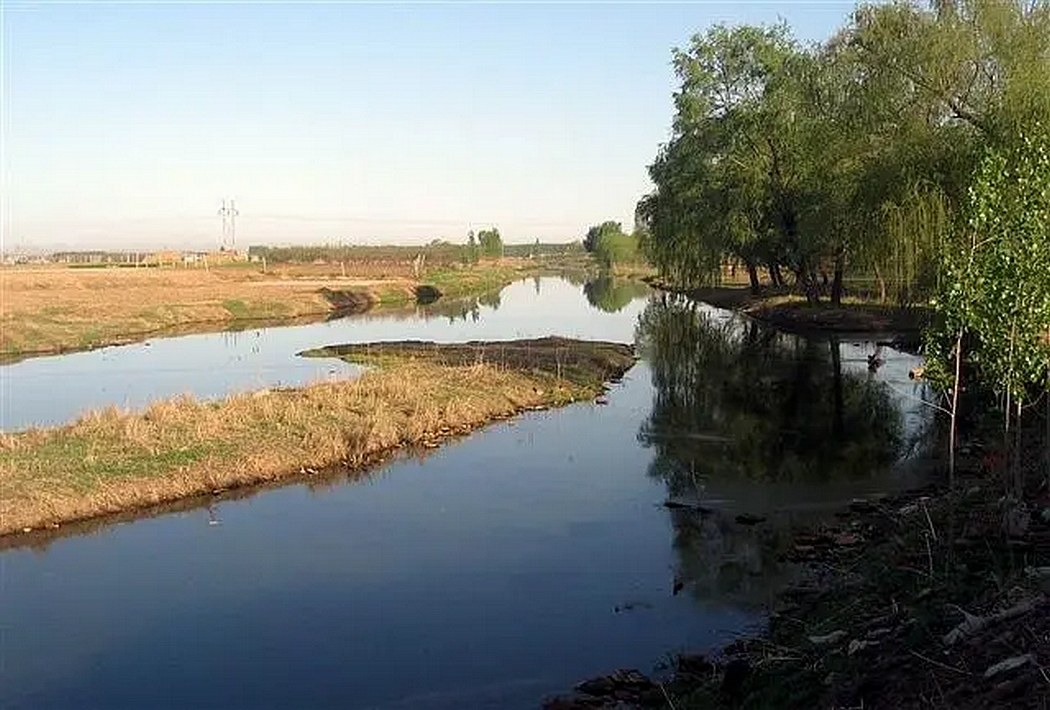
(747, 421)
(609, 294)
(734, 399)
(721, 562)
(487, 573)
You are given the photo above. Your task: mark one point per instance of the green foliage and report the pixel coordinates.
(996, 273)
(595, 234)
(610, 245)
(490, 242)
(854, 154)
(914, 228)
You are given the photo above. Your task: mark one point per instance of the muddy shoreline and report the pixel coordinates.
(934, 598)
(899, 327)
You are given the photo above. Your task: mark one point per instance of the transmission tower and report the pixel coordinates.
(229, 213)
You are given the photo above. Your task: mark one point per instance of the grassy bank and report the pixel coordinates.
(789, 311)
(111, 461)
(55, 309)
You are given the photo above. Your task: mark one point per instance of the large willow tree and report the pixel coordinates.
(852, 157)
(728, 181)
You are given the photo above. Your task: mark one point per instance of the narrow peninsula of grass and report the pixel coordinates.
(585, 364)
(112, 461)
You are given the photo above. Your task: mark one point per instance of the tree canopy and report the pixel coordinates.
(855, 155)
(611, 245)
(911, 147)
(490, 242)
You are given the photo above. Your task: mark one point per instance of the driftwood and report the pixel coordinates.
(828, 639)
(1009, 664)
(972, 624)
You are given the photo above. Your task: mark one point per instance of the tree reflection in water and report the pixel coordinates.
(741, 407)
(610, 294)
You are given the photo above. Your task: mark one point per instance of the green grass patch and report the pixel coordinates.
(255, 310)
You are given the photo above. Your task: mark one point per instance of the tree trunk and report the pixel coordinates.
(775, 276)
(805, 277)
(752, 275)
(836, 284)
(882, 285)
(955, 411)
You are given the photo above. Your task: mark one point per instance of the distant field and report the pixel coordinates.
(55, 308)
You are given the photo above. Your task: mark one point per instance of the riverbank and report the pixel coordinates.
(938, 598)
(56, 309)
(112, 461)
(783, 309)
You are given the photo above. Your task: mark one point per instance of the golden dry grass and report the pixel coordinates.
(54, 309)
(111, 461)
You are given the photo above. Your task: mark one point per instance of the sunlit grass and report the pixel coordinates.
(54, 309)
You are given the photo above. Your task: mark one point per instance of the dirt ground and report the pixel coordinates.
(786, 310)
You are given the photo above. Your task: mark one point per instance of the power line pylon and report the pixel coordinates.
(229, 213)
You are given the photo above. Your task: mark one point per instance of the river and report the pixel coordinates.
(492, 572)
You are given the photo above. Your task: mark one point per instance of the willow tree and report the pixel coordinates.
(914, 228)
(981, 63)
(728, 182)
(995, 291)
(939, 84)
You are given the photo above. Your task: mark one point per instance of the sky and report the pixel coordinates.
(125, 125)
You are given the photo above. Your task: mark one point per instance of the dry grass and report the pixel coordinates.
(52, 309)
(111, 461)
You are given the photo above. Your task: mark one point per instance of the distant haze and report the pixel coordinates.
(125, 126)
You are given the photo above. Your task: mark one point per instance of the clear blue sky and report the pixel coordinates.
(125, 125)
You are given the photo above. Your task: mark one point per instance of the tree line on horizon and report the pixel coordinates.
(486, 243)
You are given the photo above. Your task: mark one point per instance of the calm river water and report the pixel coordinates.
(493, 572)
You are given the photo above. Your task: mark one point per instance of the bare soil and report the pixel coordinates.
(784, 309)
